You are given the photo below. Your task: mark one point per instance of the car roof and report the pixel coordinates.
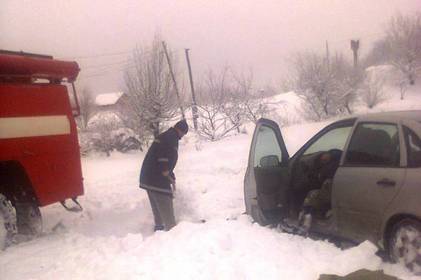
(394, 116)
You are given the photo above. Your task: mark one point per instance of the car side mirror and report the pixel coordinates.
(269, 161)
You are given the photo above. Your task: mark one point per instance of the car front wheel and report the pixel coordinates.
(405, 244)
(7, 222)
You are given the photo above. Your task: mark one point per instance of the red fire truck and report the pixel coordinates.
(39, 149)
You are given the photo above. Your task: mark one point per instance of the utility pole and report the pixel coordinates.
(355, 45)
(173, 79)
(194, 105)
(327, 56)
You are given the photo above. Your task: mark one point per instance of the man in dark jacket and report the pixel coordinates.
(319, 200)
(157, 174)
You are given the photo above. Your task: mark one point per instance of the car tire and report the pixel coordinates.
(7, 222)
(405, 244)
(29, 220)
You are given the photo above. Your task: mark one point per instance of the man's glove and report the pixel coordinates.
(171, 179)
(173, 185)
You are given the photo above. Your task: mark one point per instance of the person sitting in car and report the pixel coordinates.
(318, 201)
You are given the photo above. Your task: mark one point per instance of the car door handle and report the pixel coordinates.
(386, 183)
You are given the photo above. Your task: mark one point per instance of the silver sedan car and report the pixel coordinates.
(360, 176)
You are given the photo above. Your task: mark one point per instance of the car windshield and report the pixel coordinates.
(333, 139)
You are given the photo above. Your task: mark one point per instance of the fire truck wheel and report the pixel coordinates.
(29, 220)
(7, 222)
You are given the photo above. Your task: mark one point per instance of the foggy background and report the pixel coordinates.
(257, 35)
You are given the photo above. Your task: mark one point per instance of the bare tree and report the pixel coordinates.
(252, 103)
(103, 140)
(379, 54)
(234, 113)
(403, 37)
(348, 80)
(327, 85)
(87, 107)
(226, 101)
(312, 81)
(372, 89)
(239, 91)
(213, 122)
(403, 86)
(151, 98)
(401, 81)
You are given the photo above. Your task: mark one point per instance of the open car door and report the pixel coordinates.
(265, 181)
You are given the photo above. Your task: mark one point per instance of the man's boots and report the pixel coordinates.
(304, 221)
(158, 228)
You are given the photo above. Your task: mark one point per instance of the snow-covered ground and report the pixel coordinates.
(113, 238)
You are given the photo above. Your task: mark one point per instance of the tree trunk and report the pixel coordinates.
(411, 79)
(348, 108)
(155, 128)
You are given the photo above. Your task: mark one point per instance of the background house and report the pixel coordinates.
(109, 101)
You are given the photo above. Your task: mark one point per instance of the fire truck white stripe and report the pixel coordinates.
(19, 127)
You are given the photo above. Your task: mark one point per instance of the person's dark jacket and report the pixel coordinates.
(161, 156)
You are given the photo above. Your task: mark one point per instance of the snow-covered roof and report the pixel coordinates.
(381, 68)
(107, 98)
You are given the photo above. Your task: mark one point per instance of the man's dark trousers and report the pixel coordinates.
(162, 208)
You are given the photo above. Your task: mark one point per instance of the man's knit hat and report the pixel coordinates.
(182, 126)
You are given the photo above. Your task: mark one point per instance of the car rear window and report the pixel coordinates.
(374, 144)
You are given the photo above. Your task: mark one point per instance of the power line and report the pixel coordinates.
(105, 72)
(124, 62)
(123, 65)
(108, 54)
(96, 55)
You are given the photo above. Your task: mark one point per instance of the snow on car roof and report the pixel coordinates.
(108, 98)
(392, 115)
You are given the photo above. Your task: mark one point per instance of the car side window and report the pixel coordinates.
(267, 152)
(413, 147)
(333, 139)
(374, 144)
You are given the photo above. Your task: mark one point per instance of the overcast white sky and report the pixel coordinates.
(258, 34)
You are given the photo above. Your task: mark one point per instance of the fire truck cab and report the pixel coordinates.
(39, 148)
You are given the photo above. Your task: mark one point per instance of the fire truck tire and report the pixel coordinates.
(29, 220)
(7, 222)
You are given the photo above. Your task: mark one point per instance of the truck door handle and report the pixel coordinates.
(386, 183)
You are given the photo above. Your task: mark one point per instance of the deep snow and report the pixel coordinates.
(113, 238)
